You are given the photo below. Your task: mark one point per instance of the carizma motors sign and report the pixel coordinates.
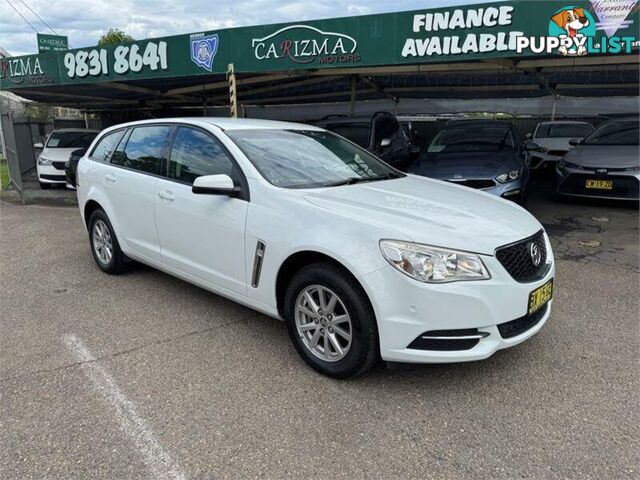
(305, 44)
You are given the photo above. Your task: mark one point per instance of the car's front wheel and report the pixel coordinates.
(104, 244)
(331, 321)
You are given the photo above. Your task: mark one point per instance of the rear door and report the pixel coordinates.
(137, 164)
(201, 235)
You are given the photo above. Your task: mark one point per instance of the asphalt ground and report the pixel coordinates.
(145, 376)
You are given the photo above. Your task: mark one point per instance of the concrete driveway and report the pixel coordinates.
(145, 376)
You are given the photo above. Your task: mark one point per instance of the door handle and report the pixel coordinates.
(110, 178)
(168, 196)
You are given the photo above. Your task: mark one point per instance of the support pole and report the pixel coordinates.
(352, 99)
(553, 108)
(233, 94)
(204, 107)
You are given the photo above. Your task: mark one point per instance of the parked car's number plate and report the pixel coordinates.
(599, 184)
(540, 296)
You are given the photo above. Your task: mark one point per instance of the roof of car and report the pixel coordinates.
(478, 121)
(74, 130)
(339, 119)
(228, 123)
(564, 122)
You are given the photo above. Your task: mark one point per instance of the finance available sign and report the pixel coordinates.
(509, 29)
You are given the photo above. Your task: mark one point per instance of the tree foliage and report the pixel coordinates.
(114, 35)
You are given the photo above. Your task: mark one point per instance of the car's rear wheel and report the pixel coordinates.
(104, 244)
(331, 321)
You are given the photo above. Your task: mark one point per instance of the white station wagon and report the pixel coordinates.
(362, 261)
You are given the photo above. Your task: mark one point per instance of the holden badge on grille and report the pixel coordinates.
(536, 254)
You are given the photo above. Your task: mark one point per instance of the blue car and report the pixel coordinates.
(484, 154)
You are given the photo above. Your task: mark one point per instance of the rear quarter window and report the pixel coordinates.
(106, 145)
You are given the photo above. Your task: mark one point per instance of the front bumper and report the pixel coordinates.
(571, 182)
(515, 190)
(541, 160)
(406, 309)
(50, 174)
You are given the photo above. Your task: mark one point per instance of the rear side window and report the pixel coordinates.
(144, 149)
(106, 145)
(195, 154)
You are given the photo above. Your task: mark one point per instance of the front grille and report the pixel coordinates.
(447, 344)
(516, 258)
(623, 186)
(520, 325)
(475, 183)
(56, 178)
(58, 165)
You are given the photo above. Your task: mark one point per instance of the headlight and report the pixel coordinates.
(541, 149)
(508, 177)
(44, 161)
(565, 164)
(433, 264)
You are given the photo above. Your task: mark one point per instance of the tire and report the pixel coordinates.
(45, 186)
(115, 262)
(361, 352)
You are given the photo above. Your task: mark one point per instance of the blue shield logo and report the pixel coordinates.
(203, 51)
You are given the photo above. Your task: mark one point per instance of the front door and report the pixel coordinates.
(201, 235)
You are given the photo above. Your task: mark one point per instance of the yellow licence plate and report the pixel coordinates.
(540, 296)
(599, 184)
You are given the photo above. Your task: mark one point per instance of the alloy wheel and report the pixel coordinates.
(102, 244)
(323, 323)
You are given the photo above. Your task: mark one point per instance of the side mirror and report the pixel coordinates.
(385, 142)
(529, 135)
(215, 185)
(575, 141)
(38, 145)
(531, 145)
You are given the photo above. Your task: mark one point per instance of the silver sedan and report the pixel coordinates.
(603, 165)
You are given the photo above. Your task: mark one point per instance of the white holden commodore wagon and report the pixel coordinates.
(362, 261)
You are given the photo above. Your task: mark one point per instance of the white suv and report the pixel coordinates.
(362, 261)
(554, 141)
(57, 149)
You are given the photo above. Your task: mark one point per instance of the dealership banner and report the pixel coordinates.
(516, 29)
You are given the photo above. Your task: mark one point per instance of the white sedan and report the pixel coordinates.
(362, 261)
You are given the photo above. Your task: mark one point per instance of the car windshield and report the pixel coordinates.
(476, 138)
(614, 133)
(309, 158)
(71, 139)
(563, 130)
(358, 133)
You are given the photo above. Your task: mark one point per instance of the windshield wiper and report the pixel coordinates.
(354, 180)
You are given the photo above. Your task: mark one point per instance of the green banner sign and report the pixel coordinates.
(513, 29)
(52, 43)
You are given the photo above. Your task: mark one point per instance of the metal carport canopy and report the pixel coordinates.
(457, 52)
